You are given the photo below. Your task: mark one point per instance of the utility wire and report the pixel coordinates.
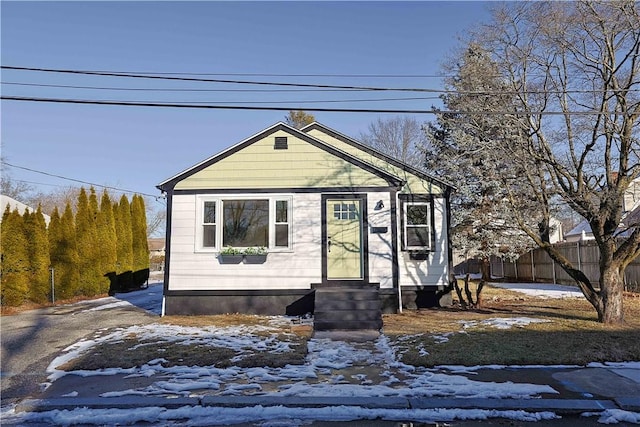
(79, 181)
(306, 85)
(274, 108)
(246, 102)
(174, 89)
(193, 79)
(377, 76)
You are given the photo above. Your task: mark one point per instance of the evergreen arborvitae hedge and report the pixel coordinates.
(87, 238)
(140, 245)
(36, 231)
(107, 241)
(15, 259)
(103, 247)
(124, 244)
(64, 255)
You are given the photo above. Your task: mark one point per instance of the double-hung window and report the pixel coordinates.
(209, 224)
(281, 223)
(417, 230)
(243, 222)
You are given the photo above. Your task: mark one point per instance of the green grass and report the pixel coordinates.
(569, 334)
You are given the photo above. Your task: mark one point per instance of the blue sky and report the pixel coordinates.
(138, 147)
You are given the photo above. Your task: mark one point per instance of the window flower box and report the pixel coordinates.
(230, 255)
(255, 255)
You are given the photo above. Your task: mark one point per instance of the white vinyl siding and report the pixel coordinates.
(295, 267)
(432, 271)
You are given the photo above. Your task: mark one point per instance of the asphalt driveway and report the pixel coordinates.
(30, 340)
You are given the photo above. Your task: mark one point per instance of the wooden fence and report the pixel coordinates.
(537, 266)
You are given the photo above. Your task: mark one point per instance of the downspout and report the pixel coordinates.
(167, 256)
(447, 195)
(395, 270)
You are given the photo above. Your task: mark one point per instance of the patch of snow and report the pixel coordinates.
(209, 416)
(502, 322)
(542, 290)
(615, 416)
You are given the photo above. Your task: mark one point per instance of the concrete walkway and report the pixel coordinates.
(586, 389)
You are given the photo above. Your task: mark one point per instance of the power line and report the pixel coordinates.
(193, 79)
(246, 102)
(174, 89)
(158, 76)
(384, 76)
(79, 180)
(274, 108)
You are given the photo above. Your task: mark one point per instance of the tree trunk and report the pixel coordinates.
(611, 291)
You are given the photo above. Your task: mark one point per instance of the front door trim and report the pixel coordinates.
(365, 237)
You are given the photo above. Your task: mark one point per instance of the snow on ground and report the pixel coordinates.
(332, 368)
(501, 322)
(542, 290)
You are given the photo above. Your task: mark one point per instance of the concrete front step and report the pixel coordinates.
(332, 305)
(347, 309)
(329, 295)
(346, 315)
(324, 325)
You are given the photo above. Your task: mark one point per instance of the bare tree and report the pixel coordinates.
(156, 217)
(399, 137)
(571, 72)
(55, 198)
(16, 189)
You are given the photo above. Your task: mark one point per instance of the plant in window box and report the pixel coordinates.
(230, 255)
(255, 255)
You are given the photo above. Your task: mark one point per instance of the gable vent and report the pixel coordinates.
(281, 143)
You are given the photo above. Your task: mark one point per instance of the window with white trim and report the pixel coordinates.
(281, 225)
(417, 226)
(243, 222)
(209, 224)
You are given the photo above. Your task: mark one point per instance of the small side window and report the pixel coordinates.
(209, 224)
(417, 226)
(282, 223)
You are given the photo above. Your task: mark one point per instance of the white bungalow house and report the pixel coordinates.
(337, 219)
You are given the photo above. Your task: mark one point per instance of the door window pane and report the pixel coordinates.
(345, 211)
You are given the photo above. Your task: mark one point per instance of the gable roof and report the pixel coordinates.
(373, 152)
(390, 178)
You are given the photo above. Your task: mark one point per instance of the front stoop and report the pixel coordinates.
(342, 308)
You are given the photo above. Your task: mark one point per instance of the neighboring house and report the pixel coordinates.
(156, 247)
(14, 204)
(630, 217)
(333, 214)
